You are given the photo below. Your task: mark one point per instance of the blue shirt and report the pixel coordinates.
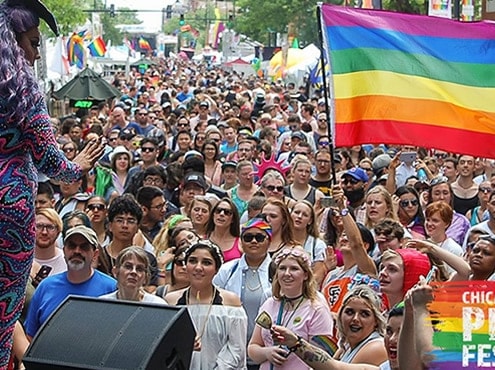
(53, 290)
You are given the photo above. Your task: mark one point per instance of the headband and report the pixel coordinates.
(258, 223)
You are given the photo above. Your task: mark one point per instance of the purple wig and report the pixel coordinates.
(19, 88)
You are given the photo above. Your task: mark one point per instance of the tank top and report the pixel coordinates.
(462, 205)
(310, 197)
(232, 253)
(349, 355)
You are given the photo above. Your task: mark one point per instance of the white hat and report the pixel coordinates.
(119, 150)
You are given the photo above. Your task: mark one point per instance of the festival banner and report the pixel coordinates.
(463, 318)
(411, 79)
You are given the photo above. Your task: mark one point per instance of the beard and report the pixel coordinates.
(355, 196)
(76, 264)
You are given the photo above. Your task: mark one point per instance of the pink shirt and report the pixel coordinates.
(308, 320)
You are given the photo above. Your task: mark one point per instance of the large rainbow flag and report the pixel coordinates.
(411, 79)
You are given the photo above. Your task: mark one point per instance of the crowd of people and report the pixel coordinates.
(222, 193)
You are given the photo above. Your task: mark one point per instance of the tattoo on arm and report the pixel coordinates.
(311, 354)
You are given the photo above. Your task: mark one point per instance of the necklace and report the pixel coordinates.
(286, 320)
(254, 274)
(203, 327)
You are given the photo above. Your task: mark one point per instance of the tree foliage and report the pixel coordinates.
(69, 14)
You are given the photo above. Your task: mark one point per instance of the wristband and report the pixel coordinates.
(296, 346)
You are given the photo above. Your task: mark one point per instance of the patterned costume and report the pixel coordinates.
(25, 148)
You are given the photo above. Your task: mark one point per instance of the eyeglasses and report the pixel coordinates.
(260, 238)
(140, 269)
(291, 252)
(96, 207)
(349, 180)
(68, 150)
(182, 124)
(47, 227)
(439, 180)
(322, 161)
(85, 246)
(485, 190)
(152, 181)
(226, 211)
(159, 206)
(273, 188)
(129, 221)
(405, 203)
(441, 155)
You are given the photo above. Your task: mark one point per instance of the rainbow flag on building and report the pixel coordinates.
(411, 79)
(97, 48)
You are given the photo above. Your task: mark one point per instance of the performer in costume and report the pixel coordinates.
(27, 145)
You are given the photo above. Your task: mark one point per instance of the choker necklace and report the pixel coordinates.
(287, 299)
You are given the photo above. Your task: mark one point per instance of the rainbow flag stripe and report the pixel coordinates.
(411, 79)
(455, 305)
(97, 48)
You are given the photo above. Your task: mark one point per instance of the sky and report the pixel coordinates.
(151, 19)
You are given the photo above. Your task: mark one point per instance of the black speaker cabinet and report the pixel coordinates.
(92, 333)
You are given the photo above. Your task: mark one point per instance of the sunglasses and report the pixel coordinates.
(226, 211)
(439, 180)
(182, 124)
(273, 188)
(96, 207)
(248, 238)
(441, 155)
(405, 203)
(147, 150)
(485, 190)
(180, 262)
(349, 180)
(324, 143)
(112, 139)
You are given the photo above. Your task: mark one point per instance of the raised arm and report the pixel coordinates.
(364, 261)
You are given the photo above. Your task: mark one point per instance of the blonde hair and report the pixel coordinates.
(162, 239)
(51, 215)
(302, 258)
(372, 300)
(379, 189)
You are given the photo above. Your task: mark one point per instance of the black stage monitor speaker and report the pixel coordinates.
(92, 333)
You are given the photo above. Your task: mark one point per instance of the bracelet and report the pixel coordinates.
(298, 344)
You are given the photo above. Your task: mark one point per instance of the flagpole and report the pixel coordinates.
(325, 93)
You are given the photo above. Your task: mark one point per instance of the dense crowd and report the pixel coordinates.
(222, 192)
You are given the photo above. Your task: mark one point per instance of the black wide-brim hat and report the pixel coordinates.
(38, 8)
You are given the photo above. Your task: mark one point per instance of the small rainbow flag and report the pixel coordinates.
(411, 79)
(75, 49)
(97, 48)
(464, 325)
(144, 44)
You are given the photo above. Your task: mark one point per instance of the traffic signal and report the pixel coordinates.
(112, 10)
(168, 11)
(181, 20)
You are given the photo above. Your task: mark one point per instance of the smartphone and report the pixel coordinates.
(408, 157)
(431, 274)
(43, 272)
(327, 202)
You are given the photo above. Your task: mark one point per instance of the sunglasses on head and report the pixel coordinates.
(405, 203)
(260, 238)
(273, 188)
(439, 180)
(226, 211)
